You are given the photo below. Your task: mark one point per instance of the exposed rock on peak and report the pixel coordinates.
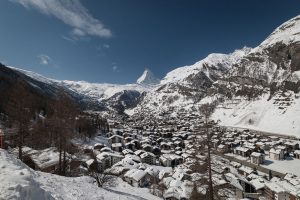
(147, 78)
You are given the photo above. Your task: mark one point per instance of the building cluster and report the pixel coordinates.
(160, 153)
(248, 154)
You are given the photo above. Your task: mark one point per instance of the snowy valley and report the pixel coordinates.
(226, 127)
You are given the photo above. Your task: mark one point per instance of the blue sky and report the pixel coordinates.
(114, 40)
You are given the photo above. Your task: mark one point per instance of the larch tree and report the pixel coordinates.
(206, 110)
(62, 124)
(19, 109)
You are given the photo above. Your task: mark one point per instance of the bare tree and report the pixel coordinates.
(101, 177)
(19, 109)
(62, 123)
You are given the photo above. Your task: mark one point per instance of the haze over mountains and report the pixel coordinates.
(257, 87)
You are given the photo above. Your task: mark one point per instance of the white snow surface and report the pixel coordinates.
(147, 78)
(102, 90)
(272, 116)
(215, 59)
(290, 165)
(288, 32)
(17, 181)
(99, 91)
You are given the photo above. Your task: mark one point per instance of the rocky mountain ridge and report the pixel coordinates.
(242, 82)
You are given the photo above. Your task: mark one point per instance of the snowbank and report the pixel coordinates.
(17, 181)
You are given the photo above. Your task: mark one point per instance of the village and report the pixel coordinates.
(170, 158)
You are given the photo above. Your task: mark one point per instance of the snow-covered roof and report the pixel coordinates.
(256, 154)
(46, 157)
(243, 149)
(135, 174)
(275, 187)
(116, 145)
(146, 154)
(104, 155)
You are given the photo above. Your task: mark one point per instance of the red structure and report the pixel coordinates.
(1, 139)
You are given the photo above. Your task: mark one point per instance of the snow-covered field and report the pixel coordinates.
(284, 166)
(17, 181)
(262, 115)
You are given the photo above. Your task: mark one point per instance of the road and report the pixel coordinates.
(251, 165)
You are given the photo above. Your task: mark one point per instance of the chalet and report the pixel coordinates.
(148, 158)
(115, 139)
(46, 160)
(128, 139)
(99, 146)
(245, 171)
(178, 143)
(87, 165)
(118, 147)
(297, 154)
(136, 143)
(242, 151)
(222, 148)
(147, 147)
(186, 156)
(130, 145)
(276, 154)
(107, 159)
(257, 158)
(170, 160)
(137, 178)
(262, 145)
(291, 145)
(156, 150)
(127, 151)
(275, 191)
(139, 152)
(105, 149)
(118, 131)
(165, 146)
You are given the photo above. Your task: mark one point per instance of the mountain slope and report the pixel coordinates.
(186, 85)
(262, 90)
(257, 88)
(92, 96)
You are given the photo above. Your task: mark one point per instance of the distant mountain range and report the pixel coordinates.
(257, 87)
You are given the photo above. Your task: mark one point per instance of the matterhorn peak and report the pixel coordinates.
(147, 78)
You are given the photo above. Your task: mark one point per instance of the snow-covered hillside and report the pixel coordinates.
(184, 86)
(261, 75)
(102, 91)
(17, 181)
(215, 61)
(253, 82)
(278, 115)
(287, 33)
(116, 97)
(274, 69)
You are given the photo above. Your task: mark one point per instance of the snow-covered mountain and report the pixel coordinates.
(186, 85)
(261, 91)
(251, 84)
(258, 88)
(94, 96)
(147, 78)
